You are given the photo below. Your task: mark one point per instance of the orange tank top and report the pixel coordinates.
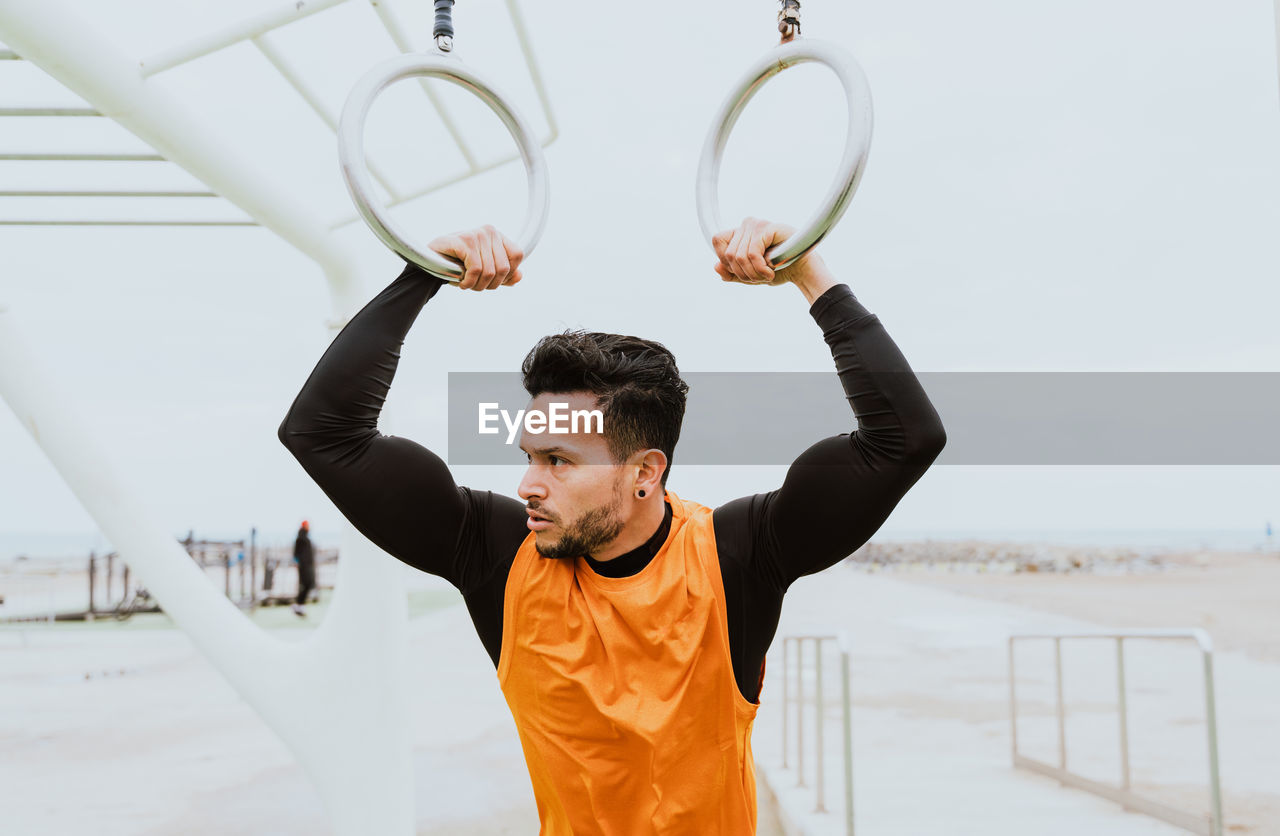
(623, 691)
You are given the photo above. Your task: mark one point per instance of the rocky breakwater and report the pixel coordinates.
(1006, 558)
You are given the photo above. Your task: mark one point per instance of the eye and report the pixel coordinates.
(555, 460)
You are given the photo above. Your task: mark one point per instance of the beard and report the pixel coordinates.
(596, 528)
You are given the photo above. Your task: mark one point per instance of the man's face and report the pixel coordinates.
(573, 488)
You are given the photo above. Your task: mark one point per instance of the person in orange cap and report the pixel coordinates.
(304, 555)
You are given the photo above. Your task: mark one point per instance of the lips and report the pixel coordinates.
(537, 522)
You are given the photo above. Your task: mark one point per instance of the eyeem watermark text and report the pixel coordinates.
(991, 418)
(557, 420)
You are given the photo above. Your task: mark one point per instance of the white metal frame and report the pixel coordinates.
(1123, 794)
(257, 30)
(846, 716)
(349, 677)
(1277, 22)
(88, 112)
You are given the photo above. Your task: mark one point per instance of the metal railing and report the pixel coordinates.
(92, 113)
(819, 703)
(1123, 794)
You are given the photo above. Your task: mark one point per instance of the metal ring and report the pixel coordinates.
(857, 145)
(355, 171)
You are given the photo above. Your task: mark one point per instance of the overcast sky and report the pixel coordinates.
(1085, 186)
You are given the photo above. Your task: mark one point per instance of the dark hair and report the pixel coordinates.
(636, 384)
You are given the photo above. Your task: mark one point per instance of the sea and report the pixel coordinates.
(61, 546)
(1169, 538)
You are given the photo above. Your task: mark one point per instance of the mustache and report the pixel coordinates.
(537, 509)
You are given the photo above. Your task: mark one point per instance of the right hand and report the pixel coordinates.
(489, 259)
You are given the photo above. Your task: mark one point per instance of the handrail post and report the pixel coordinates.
(847, 710)
(1211, 717)
(1122, 707)
(93, 570)
(786, 673)
(1013, 704)
(1123, 794)
(799, 712)
(797, 697)
(818, 722)
(1062, 717)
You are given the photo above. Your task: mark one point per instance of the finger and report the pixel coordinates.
(725, 260)
(468, 255)
(448, 245)
(725, 275)
(775, 234)
(748, 247)
(726, 256)
(760, 239)
(452, 246)
(514, 278)
(739, 257)
(720, 242)
(488, 273)
(501, 264)
(515, 255)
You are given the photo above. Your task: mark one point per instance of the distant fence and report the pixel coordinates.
(1123, 794)
(248, 574)
(793, 693)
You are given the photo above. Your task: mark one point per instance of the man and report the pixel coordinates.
(628, 626)
(304, 556)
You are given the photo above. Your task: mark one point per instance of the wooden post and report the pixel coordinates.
(93, 565)
(253, 564)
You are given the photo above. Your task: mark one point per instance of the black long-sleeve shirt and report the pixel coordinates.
(403, 498)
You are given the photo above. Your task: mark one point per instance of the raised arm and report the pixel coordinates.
(396, 492)
(841, 490)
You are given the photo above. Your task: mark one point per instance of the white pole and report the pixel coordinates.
(210, 42)
(1277, 22)
(339, 700)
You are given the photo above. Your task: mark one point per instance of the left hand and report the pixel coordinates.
(742, 258)
(490, 260)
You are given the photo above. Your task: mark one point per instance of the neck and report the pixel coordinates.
(646, 516)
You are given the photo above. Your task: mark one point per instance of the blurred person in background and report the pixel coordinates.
(304, 554)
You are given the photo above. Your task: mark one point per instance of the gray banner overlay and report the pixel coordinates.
(991, 418)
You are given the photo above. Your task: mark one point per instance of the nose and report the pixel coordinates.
(532, 486)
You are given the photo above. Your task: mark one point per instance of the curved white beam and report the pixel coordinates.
(339, 700)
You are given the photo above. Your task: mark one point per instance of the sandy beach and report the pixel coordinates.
(123, 729)
(1232, 595)
(1235, 596)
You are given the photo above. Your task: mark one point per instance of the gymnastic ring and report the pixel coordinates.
(857, 144)
(355, 170)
